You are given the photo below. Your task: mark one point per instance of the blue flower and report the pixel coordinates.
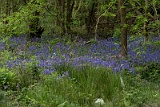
(31, 48)
(48, 71)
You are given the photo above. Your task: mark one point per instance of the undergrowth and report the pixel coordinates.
(81, 87)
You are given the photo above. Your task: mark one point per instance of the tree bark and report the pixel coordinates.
(61, 15)
(0, 6)
(91, 19)
(69, 14)
(35, 30)
(145, 23)
(11, 7)
(6, 12)
(123, 28)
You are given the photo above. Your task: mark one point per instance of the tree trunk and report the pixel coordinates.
(145, 33)
(123, 29)
(69, 14)
(35, 30)
(61, 15)
(1, 7)
(6, 12)
(145, 23)
(11, 7)
(91, 19)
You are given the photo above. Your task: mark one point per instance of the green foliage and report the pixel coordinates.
(89, 80)
(138, 92)
(154, 43)
(18, 22)
(28, 74)
(78, 87)
(51, 93)
(150, 72)
(2, 99)
(5, 55)
(53, 17)
(8, 79)
(117, 33)
(136, 97)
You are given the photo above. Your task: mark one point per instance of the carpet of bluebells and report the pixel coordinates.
(49, 52)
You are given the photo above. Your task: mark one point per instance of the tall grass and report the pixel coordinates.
(79, 87)
(70, 86)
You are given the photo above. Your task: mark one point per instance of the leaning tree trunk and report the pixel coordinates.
(123, 28)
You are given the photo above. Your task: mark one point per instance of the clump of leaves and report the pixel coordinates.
(137, 91)
(28, 74)
(8, 79)
(135, 97)
(2, 99)
(151, 72)
(51, 92)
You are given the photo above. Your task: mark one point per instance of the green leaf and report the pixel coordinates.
(109, 14)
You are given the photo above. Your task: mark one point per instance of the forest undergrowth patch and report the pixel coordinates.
(60, 74)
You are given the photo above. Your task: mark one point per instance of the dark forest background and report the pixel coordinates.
(81, 18)
(84, 18)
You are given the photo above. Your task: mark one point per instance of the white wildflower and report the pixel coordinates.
(99, 101)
